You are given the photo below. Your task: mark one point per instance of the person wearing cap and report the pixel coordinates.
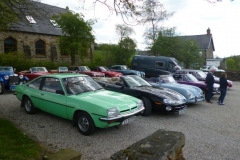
(210, 82)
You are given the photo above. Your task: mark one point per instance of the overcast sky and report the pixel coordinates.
(192, 17)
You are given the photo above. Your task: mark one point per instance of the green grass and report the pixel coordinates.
(14, 145)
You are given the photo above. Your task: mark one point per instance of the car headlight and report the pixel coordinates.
(168, 108)
(6, 77)
(140, 104)
(168, 101)
(189, 94)
(21, 76)
(113, 112)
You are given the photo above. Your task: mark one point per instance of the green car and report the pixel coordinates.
(79, 98)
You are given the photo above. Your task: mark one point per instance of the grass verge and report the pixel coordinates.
(15, 145)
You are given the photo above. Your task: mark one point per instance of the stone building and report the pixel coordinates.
(36, 35)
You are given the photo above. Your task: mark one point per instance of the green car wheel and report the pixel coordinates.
(28, 106)
(85, 124)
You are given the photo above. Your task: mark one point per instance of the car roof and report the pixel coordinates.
(189, 70)
(63, 75)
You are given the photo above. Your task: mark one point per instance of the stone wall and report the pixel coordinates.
(29, 39)
(231, 75)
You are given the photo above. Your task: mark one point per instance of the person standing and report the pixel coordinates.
(210, 81)
(223, 88)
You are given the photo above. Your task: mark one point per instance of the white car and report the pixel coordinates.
(207, 68)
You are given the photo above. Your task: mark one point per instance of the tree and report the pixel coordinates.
(127, 48)
(153, 13)
(77, 37)
(230, 64)
(167, 43)
(123, 31)
(171, 45)
(11, 11)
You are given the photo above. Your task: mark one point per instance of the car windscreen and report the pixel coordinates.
(191, 78)
(80, 84)
(135, 81)
(6, 69)
(104, 69)
(167, 79)
(201, 74)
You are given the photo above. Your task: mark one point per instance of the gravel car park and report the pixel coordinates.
(212, 131)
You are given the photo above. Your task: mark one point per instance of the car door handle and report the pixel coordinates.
(42, 94)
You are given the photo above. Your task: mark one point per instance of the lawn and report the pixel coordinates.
(15, 145)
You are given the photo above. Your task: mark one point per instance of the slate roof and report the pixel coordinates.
(42, 14)
(203, 41)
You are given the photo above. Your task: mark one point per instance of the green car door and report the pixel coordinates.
(53, 99)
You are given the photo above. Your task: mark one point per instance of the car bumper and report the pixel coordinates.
(196, 99)
(123, 117)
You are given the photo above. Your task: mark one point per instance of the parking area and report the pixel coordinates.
(212, 131)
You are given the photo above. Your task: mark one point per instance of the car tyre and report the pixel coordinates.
(28, 106)
(85, 124)
(148, 106)
(1, 88)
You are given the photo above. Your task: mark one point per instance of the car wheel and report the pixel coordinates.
(148, 106)
(28, 106)
(1, 88)
(85, 124)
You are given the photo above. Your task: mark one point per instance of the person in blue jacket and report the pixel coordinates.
(223, 88)
(210, 82)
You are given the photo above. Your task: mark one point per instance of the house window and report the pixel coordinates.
(54, 23)
(31, 20)
(40, 47)
(10, 44)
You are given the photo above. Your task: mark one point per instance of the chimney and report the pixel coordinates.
(208, 31)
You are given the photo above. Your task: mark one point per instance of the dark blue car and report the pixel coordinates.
(8, 79)
(126, 71)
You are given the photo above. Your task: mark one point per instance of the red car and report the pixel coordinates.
(107, 72)
(34, 72)
(85, 70)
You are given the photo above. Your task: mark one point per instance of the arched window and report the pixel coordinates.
(10, 44)
(40, 47)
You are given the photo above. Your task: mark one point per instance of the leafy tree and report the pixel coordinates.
(127, 48)
(152, 14)
(167, 43)
(171, 45)
(230, 64)
(236, 61)
(189, 54)
(77, 37)
(123, 31)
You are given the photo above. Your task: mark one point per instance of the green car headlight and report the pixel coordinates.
(113, 112)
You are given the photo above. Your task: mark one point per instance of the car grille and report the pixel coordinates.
(14, 80)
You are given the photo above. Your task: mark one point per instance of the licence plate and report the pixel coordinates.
(12, 88)
(126, 121)
(182, 111)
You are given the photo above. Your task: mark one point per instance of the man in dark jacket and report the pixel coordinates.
(210, 81)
